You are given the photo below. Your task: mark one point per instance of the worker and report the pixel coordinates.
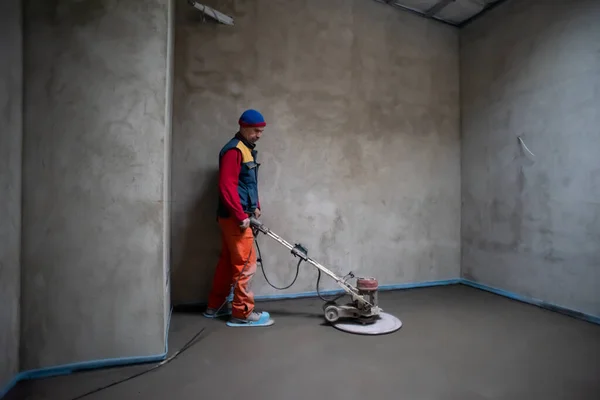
(238, 200)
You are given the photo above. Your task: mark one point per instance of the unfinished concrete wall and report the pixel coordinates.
(360, 158)
(11, 84)
(94, 148)
(531, 224)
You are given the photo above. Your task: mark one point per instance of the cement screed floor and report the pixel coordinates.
(456, 343)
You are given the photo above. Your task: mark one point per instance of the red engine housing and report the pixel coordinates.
(367, 284)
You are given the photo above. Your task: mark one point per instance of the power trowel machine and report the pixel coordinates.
(363, 308)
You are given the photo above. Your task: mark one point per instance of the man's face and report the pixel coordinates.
(252, 134)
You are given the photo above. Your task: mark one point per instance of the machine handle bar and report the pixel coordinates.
(258, 225)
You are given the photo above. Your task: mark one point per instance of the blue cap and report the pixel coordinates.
(252, 118)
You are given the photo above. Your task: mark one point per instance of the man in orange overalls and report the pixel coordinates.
(238, 200)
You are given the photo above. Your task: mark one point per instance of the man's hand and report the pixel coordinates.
(257, 213)
(245, 224)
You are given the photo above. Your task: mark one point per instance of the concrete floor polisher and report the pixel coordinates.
(362, 314)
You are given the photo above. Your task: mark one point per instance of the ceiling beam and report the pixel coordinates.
(489, 7)
(415, 12)
(438, 7)
(430, 14)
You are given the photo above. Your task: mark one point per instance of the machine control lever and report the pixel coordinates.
(300, 251)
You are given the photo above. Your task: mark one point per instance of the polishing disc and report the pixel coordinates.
(386, 323)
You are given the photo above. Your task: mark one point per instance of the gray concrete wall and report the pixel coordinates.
(11, 84)
(531, 225)
(360, 160)
(94, 148)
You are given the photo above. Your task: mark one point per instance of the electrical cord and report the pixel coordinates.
(189, 344)
(186, 346)
(331, 300)
(265, 275)
(334, 298)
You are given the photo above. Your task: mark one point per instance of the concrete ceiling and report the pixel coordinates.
(453, 12)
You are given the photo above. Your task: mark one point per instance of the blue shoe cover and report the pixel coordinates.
(264, 320)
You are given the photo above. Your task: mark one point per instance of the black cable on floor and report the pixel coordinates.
(186, 346)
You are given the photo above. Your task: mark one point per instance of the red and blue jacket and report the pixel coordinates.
(238, 179)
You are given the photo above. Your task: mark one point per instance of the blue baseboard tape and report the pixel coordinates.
(540, 303)
(382, 288)
(68, 369)
(404, 286)
(301, 295)
(10, 385)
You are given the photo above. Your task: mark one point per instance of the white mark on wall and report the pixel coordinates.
(525, 146)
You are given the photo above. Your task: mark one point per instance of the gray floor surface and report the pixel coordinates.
(456, 343)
